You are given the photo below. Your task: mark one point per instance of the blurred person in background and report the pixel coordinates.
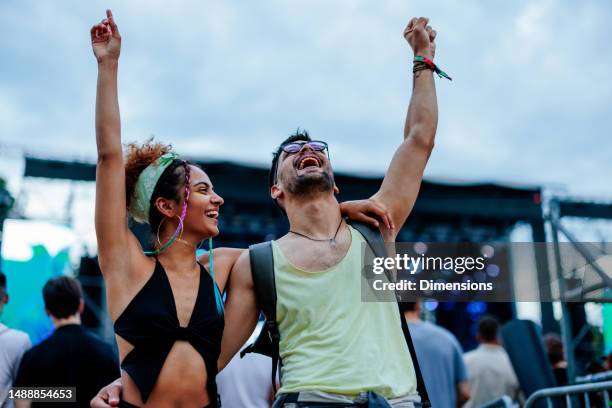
(440, 358)
(489, 367)
(71, 356)
(245, 381)
(607, 364)
(556, 355)
(13, 343)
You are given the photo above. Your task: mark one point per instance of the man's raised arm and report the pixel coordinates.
(401, 184)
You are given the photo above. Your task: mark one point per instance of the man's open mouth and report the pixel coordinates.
(308, 161)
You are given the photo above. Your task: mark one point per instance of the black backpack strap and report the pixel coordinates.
(374, 239)
(262, 269)
(425, 403)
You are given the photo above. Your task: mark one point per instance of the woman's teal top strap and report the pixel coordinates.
(218, 297)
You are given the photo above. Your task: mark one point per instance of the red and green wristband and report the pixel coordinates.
(433, 66)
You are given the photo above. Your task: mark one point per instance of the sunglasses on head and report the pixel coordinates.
(294, 147)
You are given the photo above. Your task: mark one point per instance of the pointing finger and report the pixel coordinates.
(112, 23)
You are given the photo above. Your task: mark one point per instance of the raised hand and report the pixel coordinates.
(105, 39)
(421, 37)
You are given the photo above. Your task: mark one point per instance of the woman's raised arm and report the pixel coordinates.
(111, 210)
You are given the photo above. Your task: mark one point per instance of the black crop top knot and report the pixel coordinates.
(150, 323)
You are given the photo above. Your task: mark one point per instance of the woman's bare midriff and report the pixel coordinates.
(181, 382)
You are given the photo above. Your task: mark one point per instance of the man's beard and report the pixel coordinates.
(310, 184)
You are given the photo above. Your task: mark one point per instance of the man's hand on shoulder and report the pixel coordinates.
(108, 396)
(369, 211)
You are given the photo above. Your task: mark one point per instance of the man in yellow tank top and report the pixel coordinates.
(335, 348)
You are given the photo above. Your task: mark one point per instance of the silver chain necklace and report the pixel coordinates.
(332, 240)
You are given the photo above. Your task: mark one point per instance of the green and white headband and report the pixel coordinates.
(143, 191)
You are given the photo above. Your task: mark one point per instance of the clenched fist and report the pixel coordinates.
(105, 39)
(421, 37)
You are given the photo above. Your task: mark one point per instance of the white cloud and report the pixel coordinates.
(529, 101)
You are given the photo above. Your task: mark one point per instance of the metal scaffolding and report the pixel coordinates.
(558, 210)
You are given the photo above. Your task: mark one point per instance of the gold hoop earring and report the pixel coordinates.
(180, 236)
(162, 222)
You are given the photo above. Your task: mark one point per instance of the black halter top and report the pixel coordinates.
(150, 323)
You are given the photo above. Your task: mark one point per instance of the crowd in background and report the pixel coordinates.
(74, 357)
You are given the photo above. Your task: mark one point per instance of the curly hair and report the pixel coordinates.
(137, 158)
(173, 182)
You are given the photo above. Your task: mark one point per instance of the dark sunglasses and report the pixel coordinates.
(294, 147)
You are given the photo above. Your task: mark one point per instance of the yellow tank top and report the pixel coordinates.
(332, 341)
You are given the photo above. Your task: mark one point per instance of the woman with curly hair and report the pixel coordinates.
(166, 305)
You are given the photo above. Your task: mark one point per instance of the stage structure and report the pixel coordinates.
(595, 288)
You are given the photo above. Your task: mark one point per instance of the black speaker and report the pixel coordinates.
(522, 340)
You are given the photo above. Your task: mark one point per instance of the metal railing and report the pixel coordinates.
(503, 402)
(591, 378)
(572, 390)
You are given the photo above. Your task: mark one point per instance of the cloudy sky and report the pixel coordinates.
(529, 104)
